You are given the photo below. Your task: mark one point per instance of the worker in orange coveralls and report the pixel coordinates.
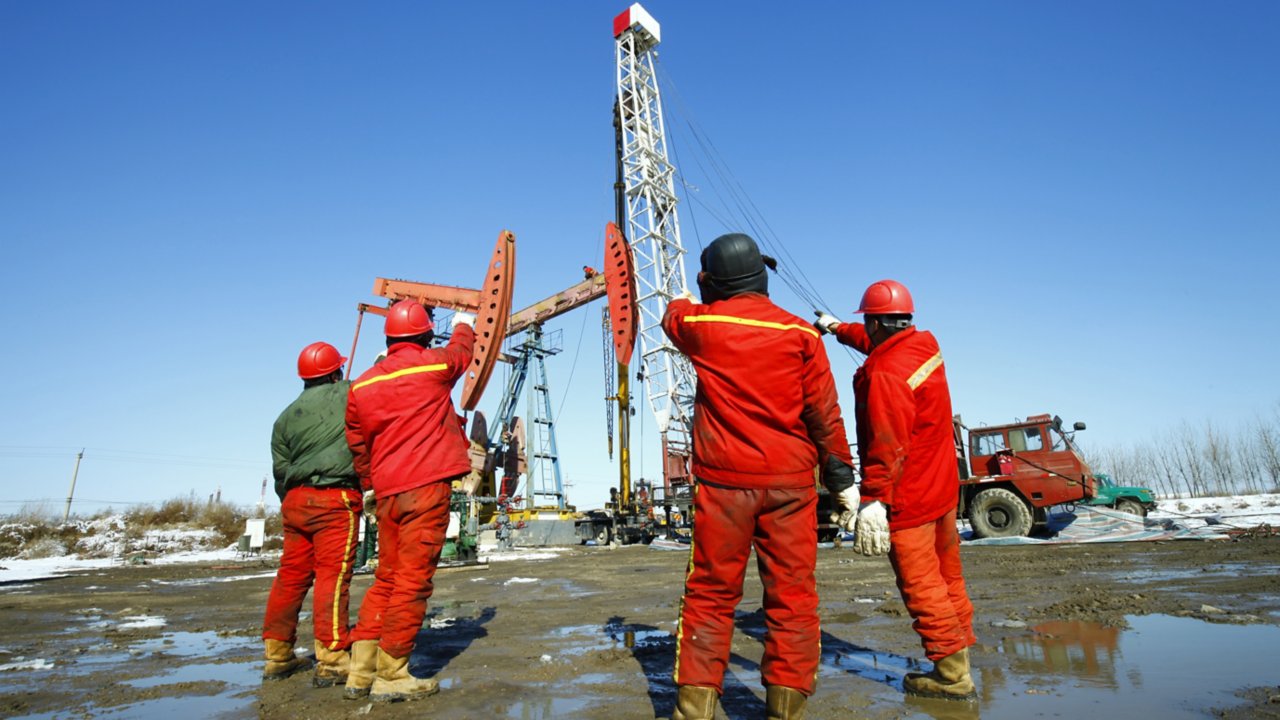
(408, 447)
(320, 504)
(765, 419)
(910, 480)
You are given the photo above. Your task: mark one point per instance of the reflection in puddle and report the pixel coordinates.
(548, 708)
(1084, 649)
(1163, 666)
(229, 673)
(610, 636)
(190, 643)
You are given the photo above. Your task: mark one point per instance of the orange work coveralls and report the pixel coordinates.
(765, 416)
(906, 448)
(408, 447)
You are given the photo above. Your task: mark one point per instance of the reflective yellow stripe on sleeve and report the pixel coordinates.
(731, 320)
(401, 373)
(923, 372)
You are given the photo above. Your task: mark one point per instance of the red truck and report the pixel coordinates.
(1010, 475)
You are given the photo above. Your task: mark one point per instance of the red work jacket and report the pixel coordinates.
(906, 445)
(765, 413)
(401, 423)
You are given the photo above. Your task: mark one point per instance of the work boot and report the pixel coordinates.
(393, 682)
(949, 679)
(360, 672)
(281, 662)
(331, 666)
(694, 702)
(783, 703)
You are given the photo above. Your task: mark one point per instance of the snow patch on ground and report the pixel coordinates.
(25, 664)
(139, 622)
(520, 580)
(491, 554)
(1235, 511)
(208, 580)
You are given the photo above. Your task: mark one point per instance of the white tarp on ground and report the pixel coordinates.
(1099, 524)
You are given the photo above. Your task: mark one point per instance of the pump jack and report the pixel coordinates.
(491, 305)
(500, 446)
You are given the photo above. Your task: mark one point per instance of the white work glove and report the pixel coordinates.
(463, 318)
(871, 532)
(370, 507)
(686, 295)
(825, 323)
(847, 501)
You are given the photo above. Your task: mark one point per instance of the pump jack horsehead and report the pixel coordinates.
(495, 322)
(491, 304)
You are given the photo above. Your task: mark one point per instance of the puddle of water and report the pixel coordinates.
(1167, 667)
(161, 709)
(548, 709)
(245, 673)
(590, 638)
(1219, 570)
(192, 643)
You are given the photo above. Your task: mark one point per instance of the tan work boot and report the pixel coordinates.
(948, 680)
(331, 666)
(695, 702)
(360, 672)
(783, 703)
(281, 662)
(393, 682)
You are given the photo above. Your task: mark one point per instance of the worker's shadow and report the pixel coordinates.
(655, 650)
(435, 647)
(840, 655)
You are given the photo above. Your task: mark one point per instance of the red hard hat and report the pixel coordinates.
(886, 297)
(406, 319)
(318, 359)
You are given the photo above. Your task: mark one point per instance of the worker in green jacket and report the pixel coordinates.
(320, 504)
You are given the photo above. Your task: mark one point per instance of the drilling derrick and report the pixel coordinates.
(654, 232)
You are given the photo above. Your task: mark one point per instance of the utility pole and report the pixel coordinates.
(71, 493)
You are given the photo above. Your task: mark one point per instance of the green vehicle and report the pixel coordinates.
(1133, 500)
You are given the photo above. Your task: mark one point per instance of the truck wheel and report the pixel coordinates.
(602, 535)
(998, 513)
(1133, 507)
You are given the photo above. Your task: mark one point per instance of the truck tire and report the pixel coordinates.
(603, 535)
(1131, 506)
(998, 513)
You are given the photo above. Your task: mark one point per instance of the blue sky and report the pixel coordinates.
(1083, 197)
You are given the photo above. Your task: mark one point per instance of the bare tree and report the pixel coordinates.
(1267, 437)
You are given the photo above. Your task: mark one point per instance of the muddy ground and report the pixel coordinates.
(588, 634)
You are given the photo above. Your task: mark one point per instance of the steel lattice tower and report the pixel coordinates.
(654, 231)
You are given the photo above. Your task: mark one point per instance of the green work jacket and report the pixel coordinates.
(309, 442)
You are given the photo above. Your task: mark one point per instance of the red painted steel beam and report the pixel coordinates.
(445, 296)
(491, 318)
(619, 271)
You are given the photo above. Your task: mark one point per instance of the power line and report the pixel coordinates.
(126, 456)
(790, 272)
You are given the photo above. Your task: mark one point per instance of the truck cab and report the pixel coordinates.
(1011, 474)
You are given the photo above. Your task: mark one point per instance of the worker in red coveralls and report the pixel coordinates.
(319, 506)
(408, 447)
(910, 480)
(765, 419)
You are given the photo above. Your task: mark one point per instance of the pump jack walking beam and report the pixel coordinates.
(491, 304)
